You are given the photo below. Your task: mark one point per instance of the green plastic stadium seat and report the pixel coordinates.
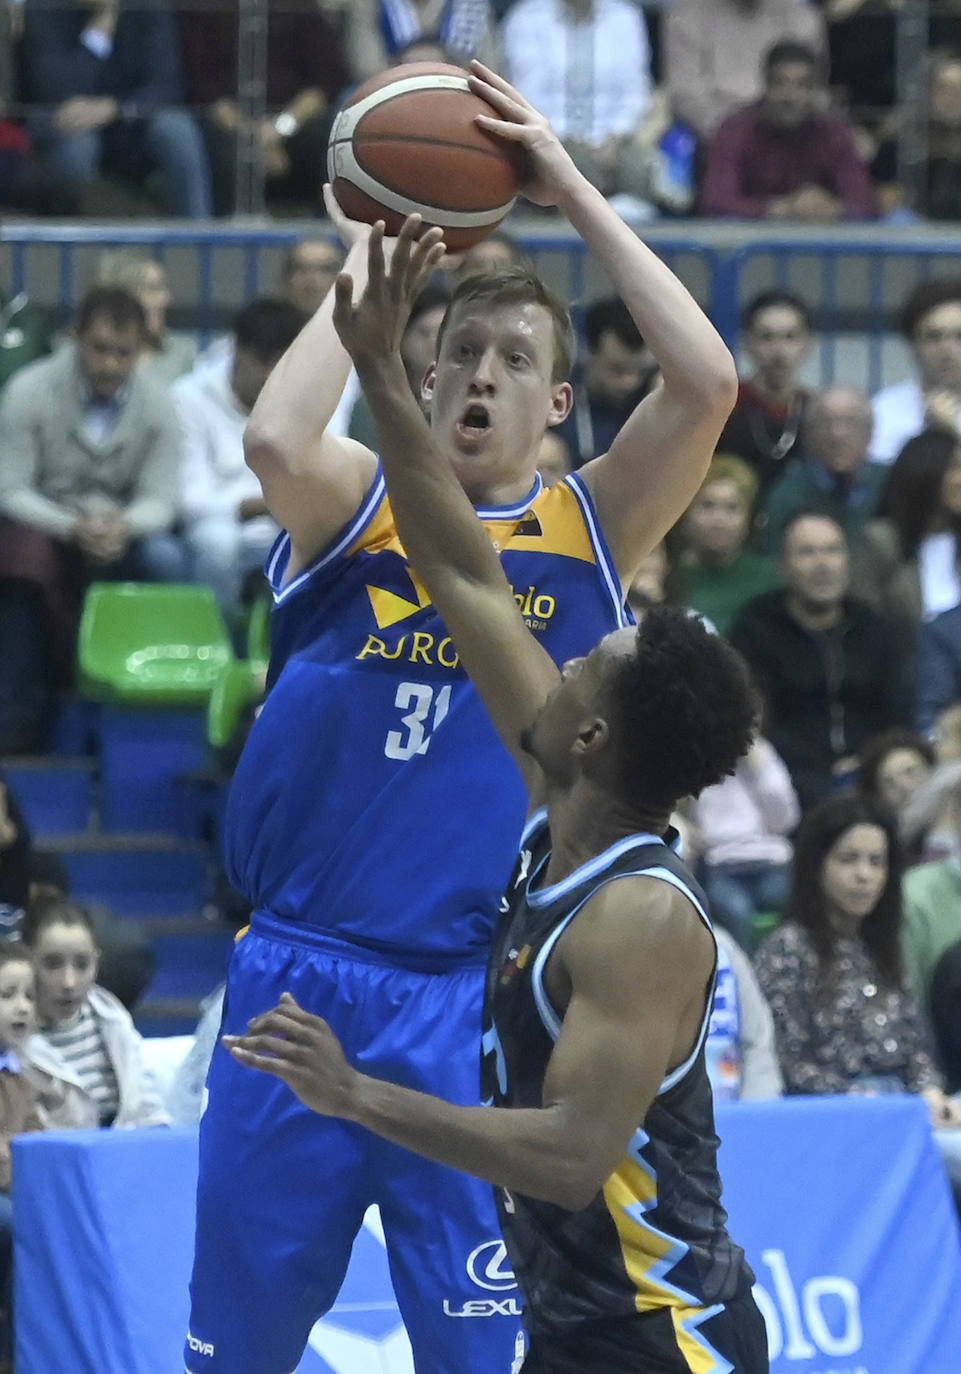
(151, 644)
(239, 685)
(258, 631)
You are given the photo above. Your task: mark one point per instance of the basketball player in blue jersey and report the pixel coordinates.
(374, 815)
(601, 1136)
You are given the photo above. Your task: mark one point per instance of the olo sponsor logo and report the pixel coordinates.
(488, 1268)
(199, 1347)
(823, 1318)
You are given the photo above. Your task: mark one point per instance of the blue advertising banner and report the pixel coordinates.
(840, 1203)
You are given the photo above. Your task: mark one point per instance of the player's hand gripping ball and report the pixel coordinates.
(407, 143)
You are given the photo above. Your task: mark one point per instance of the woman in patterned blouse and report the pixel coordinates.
(844, 1017)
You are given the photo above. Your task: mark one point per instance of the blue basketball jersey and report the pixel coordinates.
(374, 800)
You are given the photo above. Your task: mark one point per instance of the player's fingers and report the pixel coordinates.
(406, 240)
(426, 253)
(503, 128)
(495, 89)
(258, 1061)
(427, 266)
(261, 1042)
(343, 299)
(375, 255)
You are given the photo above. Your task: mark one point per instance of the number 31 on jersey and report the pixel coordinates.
(425, 711)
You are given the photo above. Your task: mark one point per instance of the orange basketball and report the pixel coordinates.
(406, 142)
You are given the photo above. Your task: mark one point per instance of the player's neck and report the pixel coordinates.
(586, 820)
(494, 493)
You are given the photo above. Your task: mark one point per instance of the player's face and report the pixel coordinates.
(67, 960)
(854, 873)
(17, 1012)
(575, 705)
(491, 391)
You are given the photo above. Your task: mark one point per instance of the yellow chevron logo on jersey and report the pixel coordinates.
(389, 608)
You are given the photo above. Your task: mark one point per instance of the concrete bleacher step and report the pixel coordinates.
(56, 793)
(136, 875)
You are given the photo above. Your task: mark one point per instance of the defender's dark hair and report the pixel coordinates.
(911, 498)
(611, 316)
(51, 911)
(770, 300)
(790, 50)
(682, 707)
(267, 327)
(521, 286)
(113, 303)
(876, 749)
(807, 905)
(923, 299)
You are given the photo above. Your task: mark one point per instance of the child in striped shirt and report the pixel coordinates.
(87, 1042)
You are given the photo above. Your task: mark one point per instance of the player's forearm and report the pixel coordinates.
(304, 389)
(441, 535)
(527, 1150)
(694, 360)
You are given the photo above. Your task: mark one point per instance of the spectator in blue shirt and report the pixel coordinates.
(108, 77)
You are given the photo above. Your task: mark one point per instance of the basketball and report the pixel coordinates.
(407, 143)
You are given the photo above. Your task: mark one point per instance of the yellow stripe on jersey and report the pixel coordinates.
(701, 1359)
(554, 524)
(627, 1192)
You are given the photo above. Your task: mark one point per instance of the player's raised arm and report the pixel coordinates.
(658, 460)
(444, 540)
(313, 482)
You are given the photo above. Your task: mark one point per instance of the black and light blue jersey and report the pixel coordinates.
(374, 800)
(655, 1234)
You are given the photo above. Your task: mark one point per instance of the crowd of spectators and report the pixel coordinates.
(749, 109)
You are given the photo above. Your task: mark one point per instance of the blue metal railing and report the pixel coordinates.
(853, 285)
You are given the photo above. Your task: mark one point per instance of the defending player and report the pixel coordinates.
(600, 984)
(374, 815)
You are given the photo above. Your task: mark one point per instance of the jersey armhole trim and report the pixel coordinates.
(279, 556)
(545, 1008)
(605, 561)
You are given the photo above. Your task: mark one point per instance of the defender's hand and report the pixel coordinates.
(302, 1050)
(551, 167)
(371, 329)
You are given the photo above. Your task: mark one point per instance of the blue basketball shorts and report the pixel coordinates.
(282, 1192)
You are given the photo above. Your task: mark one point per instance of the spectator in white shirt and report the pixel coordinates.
(742, 824)
(587, 65)
(930, 322)
(226, 526)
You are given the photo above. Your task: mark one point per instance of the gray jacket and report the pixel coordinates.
(51, 468)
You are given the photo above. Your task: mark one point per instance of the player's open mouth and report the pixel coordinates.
(475, 421)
